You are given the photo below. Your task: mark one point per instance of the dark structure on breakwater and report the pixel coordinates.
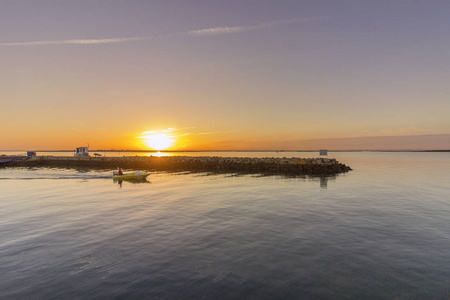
(269, 165)
(6, 160)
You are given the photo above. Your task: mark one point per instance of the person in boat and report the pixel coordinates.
(119, 171)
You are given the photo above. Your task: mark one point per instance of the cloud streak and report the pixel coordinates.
(200, 32)
(172, 132)
(217, 30)
(228, 30)
(76, 42)
(400, 132)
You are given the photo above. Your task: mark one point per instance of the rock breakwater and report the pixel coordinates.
(216, 164)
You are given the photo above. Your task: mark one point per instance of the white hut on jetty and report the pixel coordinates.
(81, 151)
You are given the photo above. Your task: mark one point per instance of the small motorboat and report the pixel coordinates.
(131, 176)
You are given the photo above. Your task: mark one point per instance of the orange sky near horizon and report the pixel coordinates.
(192, 140)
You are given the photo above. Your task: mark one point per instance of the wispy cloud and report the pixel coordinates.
(228, 30)
(76, 42)
(215, 132)
(217, 30)
(178, 132)
(200, 32)
(399, 131)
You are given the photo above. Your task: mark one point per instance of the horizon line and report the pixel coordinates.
(274, 150)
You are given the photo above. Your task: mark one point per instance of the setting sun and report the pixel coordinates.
(159, 141)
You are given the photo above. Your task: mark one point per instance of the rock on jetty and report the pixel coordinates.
(267, 165)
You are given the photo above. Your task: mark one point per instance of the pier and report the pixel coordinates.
(215, 164)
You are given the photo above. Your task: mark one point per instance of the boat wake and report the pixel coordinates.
(64, 177)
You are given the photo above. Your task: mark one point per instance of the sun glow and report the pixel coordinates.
(160, 141)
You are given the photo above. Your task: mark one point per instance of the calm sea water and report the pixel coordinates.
(381, 231)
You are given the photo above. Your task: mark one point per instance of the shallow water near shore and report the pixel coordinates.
(379, 231)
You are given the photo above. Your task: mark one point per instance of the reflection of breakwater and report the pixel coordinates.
(267, 165)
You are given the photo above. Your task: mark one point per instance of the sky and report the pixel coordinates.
(225, 75)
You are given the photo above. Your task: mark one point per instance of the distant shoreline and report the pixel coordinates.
(195, 151)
